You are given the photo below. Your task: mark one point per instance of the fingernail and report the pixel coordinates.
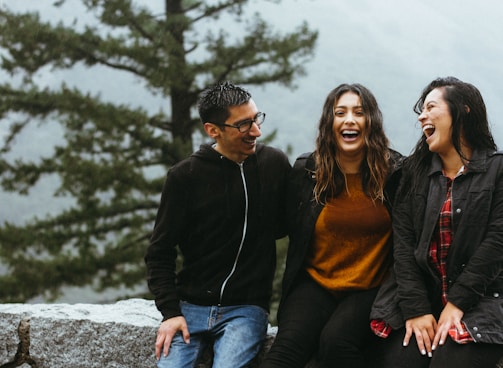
(423, 352)
(404, 343)
(441, 342)
(430, 354)
(433, 347)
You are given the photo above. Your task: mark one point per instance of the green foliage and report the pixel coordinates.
(113, 159)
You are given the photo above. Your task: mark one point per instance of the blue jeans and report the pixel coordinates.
(236, 332)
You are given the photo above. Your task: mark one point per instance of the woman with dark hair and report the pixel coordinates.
(448, 238)
(340, 233)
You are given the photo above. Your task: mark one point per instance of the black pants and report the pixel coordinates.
(315, 323)
(451, 355)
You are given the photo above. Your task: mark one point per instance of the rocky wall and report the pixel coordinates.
(116, 335)
(82, 335)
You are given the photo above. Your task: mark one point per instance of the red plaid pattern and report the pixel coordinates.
(439, 249)
(462, 337)
(380, 328)
(442, 239)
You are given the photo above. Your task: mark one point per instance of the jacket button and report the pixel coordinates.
(475, 329)
(496, 295)
(458, 210)
(479, 336)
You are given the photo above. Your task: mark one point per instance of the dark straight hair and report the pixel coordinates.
(470, 125)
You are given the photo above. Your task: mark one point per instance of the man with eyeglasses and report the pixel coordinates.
(223, 208)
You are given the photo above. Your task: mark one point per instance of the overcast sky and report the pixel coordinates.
(394, 47)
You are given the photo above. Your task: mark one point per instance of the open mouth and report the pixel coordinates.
(428, 130)
(350, 134)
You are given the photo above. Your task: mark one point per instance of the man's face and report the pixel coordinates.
(233, 144)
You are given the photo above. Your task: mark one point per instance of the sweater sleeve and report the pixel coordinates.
(162, 252)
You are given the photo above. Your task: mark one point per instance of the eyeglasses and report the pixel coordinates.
(245, 125)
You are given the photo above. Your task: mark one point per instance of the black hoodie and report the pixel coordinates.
(226, 234)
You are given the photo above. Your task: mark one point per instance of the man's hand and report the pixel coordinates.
(424, 328)
(450, 316)
(165, 334)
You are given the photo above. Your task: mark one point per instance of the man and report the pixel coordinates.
(224, 208)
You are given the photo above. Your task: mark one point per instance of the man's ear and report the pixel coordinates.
(212, 130)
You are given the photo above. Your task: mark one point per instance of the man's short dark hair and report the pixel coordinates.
(214, 102)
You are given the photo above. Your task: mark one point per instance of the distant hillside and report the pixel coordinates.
(393, 47)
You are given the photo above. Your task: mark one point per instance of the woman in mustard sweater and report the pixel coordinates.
(340, 236)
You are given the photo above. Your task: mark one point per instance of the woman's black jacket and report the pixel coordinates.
(475, 260)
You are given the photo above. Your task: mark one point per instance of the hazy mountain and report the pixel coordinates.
(394, 47)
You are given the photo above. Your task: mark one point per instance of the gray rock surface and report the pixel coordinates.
(82, 335)
(85, 335)
(79, 335)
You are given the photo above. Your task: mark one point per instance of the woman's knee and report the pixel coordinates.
(289, 350)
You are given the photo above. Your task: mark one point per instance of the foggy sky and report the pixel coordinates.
(393, 47)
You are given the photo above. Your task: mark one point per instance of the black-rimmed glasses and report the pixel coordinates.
(245, 125)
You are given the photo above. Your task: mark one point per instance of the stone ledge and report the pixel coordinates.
(79, 335)
(86, 335)
(82, 335)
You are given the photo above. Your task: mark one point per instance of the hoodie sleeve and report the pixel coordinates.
(282, 229)
(161, 254)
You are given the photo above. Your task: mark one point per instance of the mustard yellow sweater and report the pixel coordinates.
(349, 249)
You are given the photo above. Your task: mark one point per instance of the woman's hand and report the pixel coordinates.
(450, 316)
(424, 328)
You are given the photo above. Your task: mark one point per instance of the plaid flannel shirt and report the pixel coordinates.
(439, 249)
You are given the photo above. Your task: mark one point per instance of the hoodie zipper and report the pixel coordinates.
(245, 224)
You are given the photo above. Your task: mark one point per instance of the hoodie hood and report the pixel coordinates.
(207, 152)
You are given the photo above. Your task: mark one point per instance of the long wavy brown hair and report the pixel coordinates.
(330, 180)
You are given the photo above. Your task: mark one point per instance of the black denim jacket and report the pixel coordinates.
(474, 268)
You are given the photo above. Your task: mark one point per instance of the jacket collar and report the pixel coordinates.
(207, 152)
(478, 162)
(310, 163)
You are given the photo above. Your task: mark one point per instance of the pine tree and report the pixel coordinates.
(110, 150)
